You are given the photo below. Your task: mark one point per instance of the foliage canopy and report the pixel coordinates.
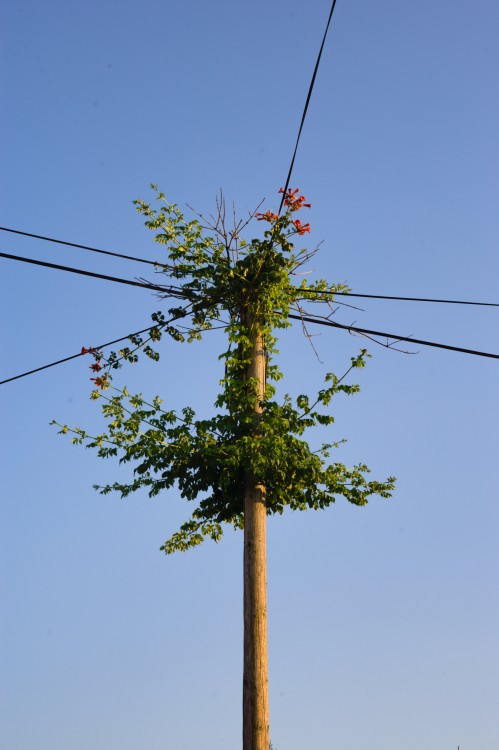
(220, 277)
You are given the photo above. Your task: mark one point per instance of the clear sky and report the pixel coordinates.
(383, 620)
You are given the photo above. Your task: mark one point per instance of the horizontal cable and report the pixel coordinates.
(74, 244)
(305, 291)
(160, 265)
(403, 299)
(324, 322)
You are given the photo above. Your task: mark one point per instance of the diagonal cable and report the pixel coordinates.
(81, 247)
(396, 337)
(174, 292)
(81, 354)
(306, 105)
(302, 318)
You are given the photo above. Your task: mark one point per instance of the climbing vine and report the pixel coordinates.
(220, 277)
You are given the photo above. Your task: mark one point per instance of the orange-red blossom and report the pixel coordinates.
(294, 202)
(96, 366)
(267, 216)
(301, 228)
(102, 381)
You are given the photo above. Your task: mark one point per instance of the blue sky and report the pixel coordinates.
(383, 620)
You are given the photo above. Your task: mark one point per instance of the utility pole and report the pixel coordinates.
(246, 460)
(255, 676)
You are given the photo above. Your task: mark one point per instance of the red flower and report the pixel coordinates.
(91, 350)
(96, 367)
(267, 216)
(294, 202)
(301, 228)
(101, 382)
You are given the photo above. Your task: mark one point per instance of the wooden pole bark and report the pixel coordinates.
(255, 676)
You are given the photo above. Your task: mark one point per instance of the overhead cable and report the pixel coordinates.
(172, 291)
(306, 105)
(403, 299)
(153, 287)
(395, 337)
(82, 247)
(81, 354)
(303, 319)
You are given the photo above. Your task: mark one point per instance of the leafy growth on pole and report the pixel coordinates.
(223, 278)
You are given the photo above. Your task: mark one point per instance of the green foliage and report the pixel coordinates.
(244, 284)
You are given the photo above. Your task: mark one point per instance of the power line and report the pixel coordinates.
(153, 287)
(403, 299)
(302, 318)
(179, 293)
(174, 292)
(324, 322)
(306, 105)
(80, 354)
(82, 247)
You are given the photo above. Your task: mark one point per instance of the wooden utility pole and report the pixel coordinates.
(255, 677)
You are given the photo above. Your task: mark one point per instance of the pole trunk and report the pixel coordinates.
(255, 677)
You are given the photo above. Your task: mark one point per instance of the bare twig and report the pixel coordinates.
(306, 333)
